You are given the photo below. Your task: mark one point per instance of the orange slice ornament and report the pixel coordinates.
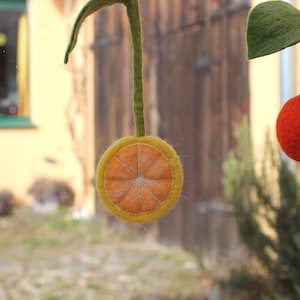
(138, 178)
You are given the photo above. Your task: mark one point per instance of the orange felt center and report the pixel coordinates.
(138, 178)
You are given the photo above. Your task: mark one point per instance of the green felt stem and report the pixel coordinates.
(133, 12)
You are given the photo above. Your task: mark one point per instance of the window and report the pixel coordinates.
(14, 104)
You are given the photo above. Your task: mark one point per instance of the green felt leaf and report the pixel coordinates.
(91, 7)
(272, 26)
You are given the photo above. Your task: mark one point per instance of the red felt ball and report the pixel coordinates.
(288, 128)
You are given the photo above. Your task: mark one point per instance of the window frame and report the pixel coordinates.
(13, 122)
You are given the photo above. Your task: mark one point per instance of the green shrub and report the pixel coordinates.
(266, 205)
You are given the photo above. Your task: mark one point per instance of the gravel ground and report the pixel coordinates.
(51, 257)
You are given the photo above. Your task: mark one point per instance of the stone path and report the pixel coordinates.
(50, 258)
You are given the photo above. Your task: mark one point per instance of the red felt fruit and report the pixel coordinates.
(288, 128)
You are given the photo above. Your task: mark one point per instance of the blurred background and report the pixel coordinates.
(56, 119)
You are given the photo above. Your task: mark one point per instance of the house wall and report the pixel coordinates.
(24, 152)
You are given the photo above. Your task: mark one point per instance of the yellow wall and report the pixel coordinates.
(264, 98)
(23, 151)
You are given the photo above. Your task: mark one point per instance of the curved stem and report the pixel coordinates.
(133, 12)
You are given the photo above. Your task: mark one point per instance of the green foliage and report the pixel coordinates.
(272, 26)
(266, 198)
(276, 297)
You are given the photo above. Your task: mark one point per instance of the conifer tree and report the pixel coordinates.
(266, 204)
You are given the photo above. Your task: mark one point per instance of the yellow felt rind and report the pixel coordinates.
(177, 180)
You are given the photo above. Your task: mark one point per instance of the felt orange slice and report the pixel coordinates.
(139, 179)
